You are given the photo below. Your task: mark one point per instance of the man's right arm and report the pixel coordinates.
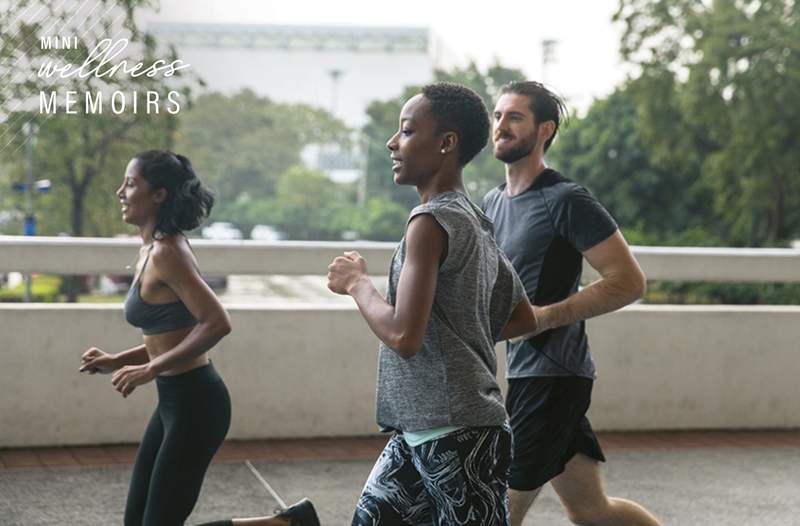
(621, 282)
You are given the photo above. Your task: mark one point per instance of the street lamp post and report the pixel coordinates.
(548, 57)
(29, 228)
(335, 75)
(30, 219)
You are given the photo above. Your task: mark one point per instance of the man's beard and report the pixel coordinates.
(523, 149)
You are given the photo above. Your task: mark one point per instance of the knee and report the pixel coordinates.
(588, 514)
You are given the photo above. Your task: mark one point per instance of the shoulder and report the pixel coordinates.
(561, 190)
(425, 238)
(452, 213)
(441, 206)
(170, 254)
(492, 195)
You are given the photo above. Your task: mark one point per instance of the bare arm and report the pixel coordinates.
(175, 268)
(621, 282)
(173, 264)
(94, 360)
(402, 326)
(133, 356)
(523, 321)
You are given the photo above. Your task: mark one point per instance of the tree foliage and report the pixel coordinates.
(242, 144)
(84, 153)
(720, 87)
(605, 151)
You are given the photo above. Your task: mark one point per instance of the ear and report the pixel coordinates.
(546, 130)
(160, 195)
(449, 142)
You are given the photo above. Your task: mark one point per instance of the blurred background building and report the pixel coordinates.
(339, 68)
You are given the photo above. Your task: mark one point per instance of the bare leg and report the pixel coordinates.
(270, 520)
(580, 488)
(262, 521)
(519, 502)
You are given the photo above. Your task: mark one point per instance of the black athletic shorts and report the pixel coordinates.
(548, 419)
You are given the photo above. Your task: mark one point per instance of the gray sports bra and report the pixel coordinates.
(155, 318)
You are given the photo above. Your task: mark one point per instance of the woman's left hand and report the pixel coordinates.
(346, 271)
(128, 378)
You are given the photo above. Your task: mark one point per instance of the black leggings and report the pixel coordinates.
(187, 428)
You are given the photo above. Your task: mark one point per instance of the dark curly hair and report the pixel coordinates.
(461, 110)
(545, 105)
(188, 200)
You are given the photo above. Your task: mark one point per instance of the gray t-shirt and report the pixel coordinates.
(543, 231)
(451, 381)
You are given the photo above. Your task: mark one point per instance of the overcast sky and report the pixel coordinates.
(587, 60)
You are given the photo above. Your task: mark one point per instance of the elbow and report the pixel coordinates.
(221, 327)
(638, 286)
(407, 346)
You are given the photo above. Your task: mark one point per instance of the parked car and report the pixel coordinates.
(221, 231)
(265, 233)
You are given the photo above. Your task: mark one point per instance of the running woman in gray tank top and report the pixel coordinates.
(452, 295)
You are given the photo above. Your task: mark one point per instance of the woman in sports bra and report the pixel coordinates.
(181, 320)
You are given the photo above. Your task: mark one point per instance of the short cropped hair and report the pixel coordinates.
(461, 110)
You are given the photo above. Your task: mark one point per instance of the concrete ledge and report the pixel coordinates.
(310, 371)
(117, 256)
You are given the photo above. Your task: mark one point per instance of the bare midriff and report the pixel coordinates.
(158, 344)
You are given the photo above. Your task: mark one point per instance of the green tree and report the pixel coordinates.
(242, 144)
(381, 220)
(730, 71)
(605, 152)
(83, 152)
(308, 205)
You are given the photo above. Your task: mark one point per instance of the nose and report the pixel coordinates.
(500, 122)
(120, 190)
(392, 142)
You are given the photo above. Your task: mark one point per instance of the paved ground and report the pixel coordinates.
(283, 290)
(722, 478)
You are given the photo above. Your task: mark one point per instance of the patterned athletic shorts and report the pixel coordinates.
(458, 479)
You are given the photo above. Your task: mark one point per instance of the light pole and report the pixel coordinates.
(548, 57)
(29, 228)
(335, 74)
(361, 195)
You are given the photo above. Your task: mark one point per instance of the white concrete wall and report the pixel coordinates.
(298, 371)
(310, 371)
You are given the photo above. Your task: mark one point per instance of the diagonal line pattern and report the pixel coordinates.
(25, 52)
(48, 30)
(21, 117)
(19, 19)
(23, 14)
(116, 20)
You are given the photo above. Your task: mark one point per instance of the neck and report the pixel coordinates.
(441, 183)
(147, 230)
(521, 174)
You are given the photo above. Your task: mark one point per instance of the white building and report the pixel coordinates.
(338, 68)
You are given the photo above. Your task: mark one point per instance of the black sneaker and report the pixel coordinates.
(301, 513)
